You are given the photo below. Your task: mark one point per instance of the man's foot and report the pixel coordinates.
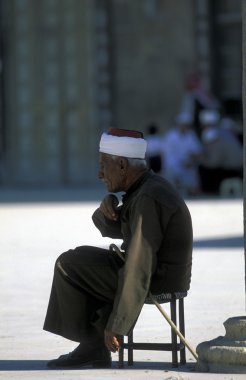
(96, 358)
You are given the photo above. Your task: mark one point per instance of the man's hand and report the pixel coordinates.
(109, 207)
(111, 341)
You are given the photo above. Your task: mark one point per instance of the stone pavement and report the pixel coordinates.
(38, 225)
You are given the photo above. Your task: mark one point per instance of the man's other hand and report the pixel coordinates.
(108, 207)
(111, 341)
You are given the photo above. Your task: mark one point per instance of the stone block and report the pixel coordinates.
(225, 354)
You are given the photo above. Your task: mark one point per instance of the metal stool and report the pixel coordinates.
(174, 346)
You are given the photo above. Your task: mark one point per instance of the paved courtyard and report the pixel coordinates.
(36, 226)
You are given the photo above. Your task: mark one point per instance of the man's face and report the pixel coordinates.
(110, 173)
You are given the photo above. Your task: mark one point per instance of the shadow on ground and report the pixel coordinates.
(22, 365)
(53, 194)
(80, 193)
(41, 365)
(226, 242)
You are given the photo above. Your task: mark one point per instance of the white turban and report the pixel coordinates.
(125, 146)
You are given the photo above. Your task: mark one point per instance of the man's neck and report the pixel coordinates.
(134, 175)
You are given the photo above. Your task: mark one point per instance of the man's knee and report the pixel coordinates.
(74, 256)
(63, 257)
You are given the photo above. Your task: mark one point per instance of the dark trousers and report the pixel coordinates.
(82, 293)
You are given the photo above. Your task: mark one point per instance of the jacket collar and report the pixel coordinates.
(138, 183)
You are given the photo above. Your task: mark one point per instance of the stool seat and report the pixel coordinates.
(174, 346)
(165, 297)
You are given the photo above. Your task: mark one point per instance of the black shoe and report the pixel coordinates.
(96, 358)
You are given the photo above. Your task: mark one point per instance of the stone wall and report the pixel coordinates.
(154, 48)
(49, 73)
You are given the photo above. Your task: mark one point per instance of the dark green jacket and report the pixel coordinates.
(156, 229)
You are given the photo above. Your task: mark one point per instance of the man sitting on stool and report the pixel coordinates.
(95, 296)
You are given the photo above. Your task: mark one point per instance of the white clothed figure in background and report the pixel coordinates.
(182, 151)
(223, 153)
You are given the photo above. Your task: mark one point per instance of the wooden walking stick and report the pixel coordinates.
(173, 326)
(114, 248)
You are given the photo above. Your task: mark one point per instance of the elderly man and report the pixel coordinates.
(96, 296)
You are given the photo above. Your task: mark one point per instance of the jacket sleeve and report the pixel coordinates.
(141, 256)
(107, 227)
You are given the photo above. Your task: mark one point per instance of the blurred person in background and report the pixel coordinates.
(209, 119)
(182, 151)
(196, 98)
(154, 148)
(223, 154)
(232, 127)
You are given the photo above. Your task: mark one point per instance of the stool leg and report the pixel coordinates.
(182, 329)
(173, 334)
(130, 348)
(121, 353)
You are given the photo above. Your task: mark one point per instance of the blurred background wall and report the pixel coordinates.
(72, 68)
